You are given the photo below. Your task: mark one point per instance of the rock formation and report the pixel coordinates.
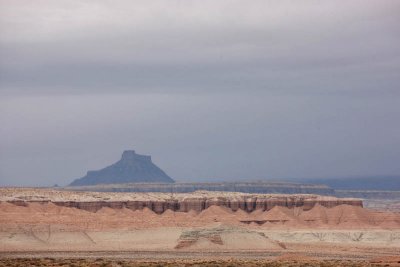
(132, 168)
(248, 204)
(44, 221)
(161, 202)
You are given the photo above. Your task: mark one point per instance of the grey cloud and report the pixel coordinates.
(138, 44)
(56, 138)
(211, 89)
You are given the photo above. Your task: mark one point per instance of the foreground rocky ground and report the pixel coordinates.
(281, 261)
(42, 227)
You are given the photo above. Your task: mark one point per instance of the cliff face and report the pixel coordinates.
(247, 203)
(160, 202)
(132, 168)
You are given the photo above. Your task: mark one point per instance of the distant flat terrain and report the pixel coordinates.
(244, 187)
(375, 199)
(367, 183)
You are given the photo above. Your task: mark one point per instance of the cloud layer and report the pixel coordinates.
(212, 89)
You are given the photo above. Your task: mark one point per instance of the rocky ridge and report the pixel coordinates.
(161, 202)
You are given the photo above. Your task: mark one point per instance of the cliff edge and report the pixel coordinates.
(180, 202)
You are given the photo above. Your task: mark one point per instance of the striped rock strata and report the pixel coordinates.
(160, 202)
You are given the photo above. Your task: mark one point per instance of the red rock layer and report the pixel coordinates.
(246, 203)
(42, 217)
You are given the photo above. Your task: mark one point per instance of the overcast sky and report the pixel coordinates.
(211, 89)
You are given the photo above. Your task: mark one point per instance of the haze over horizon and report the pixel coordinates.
(212, 90)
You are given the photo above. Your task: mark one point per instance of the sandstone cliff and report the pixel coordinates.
(160, 202)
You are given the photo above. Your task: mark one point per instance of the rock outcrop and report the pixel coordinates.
(248, 204)
(161, 202)
(132, 168)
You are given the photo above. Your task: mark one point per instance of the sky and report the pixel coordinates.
(213, 90)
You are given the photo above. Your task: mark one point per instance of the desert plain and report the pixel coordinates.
(40, 227)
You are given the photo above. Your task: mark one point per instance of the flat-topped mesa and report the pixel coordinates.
(244, 187)
(131, 168)
(247, 204)
(197, 201)
(131, 156)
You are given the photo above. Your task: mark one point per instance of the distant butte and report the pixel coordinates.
(131, 168)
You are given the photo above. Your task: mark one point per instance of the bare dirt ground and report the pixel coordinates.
(174, 259)
(44, 234)
(279, 262)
